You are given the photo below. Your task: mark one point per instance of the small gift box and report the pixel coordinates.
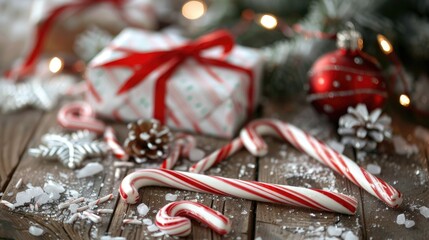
(207, 86)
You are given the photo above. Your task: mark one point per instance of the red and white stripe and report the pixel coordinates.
(183, 145)
(79, 116)
(113, 144)
(173, 218)
(251, 137)
(251, 190)
(217, 156)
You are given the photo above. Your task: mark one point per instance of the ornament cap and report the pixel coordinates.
(349, 39)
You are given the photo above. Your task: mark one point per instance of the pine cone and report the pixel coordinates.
(363, 130)
(148, 139)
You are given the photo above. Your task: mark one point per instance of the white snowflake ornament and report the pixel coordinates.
(70, 149)
(363, 130)
(32, 93)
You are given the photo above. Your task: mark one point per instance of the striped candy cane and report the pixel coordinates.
(79, 116)
(251, 137)
(251, 190)
(182, 147)
(112, 142)
(217, 156)
(173, 218)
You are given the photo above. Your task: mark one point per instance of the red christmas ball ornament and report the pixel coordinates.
(346, 77)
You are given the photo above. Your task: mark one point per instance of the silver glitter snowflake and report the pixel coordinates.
(70, 149)
(363, 130)
(91, 42)
(33, 93)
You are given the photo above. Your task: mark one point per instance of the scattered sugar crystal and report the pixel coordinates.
(152, 228)
(142, 209)
(170, 197)
(22, 198)
(90, 169)
(54, 196)
(400, 219)
(34, 192)
(158, 234)
(334, 231)
(402, 147)
(424, 211)
(244, 212)
(74, 193)
(258, 238)
(373, 169)
(53, 188)
(349, 235)
(63, 175)
(196, 154)
(35, 231)
(409, 223)
(42, 199)
(147, 221)
(73, 207)
(9, 194)
(1, 194)
(112, 238)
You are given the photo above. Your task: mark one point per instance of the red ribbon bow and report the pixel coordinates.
(144, 63)
(44, 28)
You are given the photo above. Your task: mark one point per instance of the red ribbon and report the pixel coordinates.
(44, 28)
(144, 63)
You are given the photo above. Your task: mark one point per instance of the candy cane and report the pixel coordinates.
(183, 145)
(79, 116)
(173, 219)
(217, 156)
(321, 152)
(251, 190)
(112, 142)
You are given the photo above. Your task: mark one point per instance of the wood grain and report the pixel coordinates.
(283, 165)
(16, 130)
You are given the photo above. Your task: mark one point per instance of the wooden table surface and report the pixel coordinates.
(283, 165)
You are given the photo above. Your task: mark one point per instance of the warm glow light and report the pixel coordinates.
(268, 21)
(404, 100)
(55, 65)
(385, 45)
(193, 9)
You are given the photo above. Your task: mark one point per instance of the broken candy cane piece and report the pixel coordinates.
(113, 144)
(217, 156)
(182, 147)
(251, 190)
(79, 116)
(173, 218)
(251, 137)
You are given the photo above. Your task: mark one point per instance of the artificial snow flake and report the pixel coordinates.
(33, 93)
(91, 42)
(70, 149)
(363, 130)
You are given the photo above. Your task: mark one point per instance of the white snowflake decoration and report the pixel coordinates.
(70, 149)
(33, 93)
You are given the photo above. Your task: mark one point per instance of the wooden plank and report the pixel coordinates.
(16, 130)
(286, 165)
(410, 175)
(37, 172)
(242, 166)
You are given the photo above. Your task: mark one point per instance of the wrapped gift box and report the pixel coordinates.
(199, 97)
